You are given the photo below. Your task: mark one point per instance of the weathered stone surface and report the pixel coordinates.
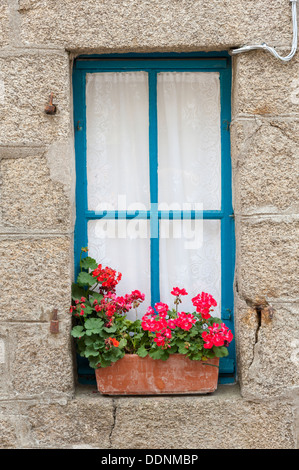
(83, 422)
(41, 362)
(246, 327)
(30, 199)
(36, 368)
(268, 350)
(4, 24)
(93, 421)
(264, 85)
(220, 421)
(297, 418)
(267, 258)
(36, 276)
(13, 426)
(5, 388)
(27, 82)
(265, 165)
(8, 432)
(158, 25)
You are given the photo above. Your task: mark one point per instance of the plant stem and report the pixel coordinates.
(135, 331)
(80, 260)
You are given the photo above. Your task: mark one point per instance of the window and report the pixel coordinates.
(153, 174)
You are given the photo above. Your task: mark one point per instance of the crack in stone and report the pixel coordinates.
(114, 405)
(282, 130)
(264, 315)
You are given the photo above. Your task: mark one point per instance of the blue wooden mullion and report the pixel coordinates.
(213, 214)
(183, 214)
(85, 373)
(153, 168)
(227, 365)
(81, 240)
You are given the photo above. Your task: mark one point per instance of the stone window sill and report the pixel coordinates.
(221, 420)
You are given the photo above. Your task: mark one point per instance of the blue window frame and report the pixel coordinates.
(152, 64)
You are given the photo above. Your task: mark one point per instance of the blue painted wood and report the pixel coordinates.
(171, 64)
(161, 214)
(227, 222)
(153, 63)
(227, 365)
(80, 150)
(153, 167)
(226, 379)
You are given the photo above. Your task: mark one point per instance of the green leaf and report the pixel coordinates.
(93, 325)
(182, 348)
(77, 292)
(196, 357)
(88, 310)
(89, 340)
(142, 352)
(94, 362)
(91, 352)
(95, 296)
(193, 332)
(159, 354)
(220, 351)
(183, 351)
(77, 331)
(112, 329)
(81, 346)
(84, 279)
(102, 361)
(209, 353)
(116, 354)
(88, 263)
(123, 342)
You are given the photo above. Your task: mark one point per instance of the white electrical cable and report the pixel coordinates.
(271, 49)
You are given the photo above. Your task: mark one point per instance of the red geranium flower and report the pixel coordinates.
(176, 291)
(114, 342)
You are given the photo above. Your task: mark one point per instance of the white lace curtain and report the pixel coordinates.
(189, 168)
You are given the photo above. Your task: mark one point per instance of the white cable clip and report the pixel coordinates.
(271, 49)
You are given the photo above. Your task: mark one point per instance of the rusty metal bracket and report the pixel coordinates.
(54, 324)
(50, 107)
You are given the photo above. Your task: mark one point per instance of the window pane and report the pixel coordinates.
(117, 139)
(123, 245)
(189, 138)
(189, 262)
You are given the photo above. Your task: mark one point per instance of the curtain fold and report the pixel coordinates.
(124, 246)
(196, 269)
(189, 138)
(117, 139)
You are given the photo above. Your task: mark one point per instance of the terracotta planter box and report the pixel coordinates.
(133, 375)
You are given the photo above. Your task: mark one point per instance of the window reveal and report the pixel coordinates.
(154, 155)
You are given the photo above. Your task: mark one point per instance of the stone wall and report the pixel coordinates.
(40, 403)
